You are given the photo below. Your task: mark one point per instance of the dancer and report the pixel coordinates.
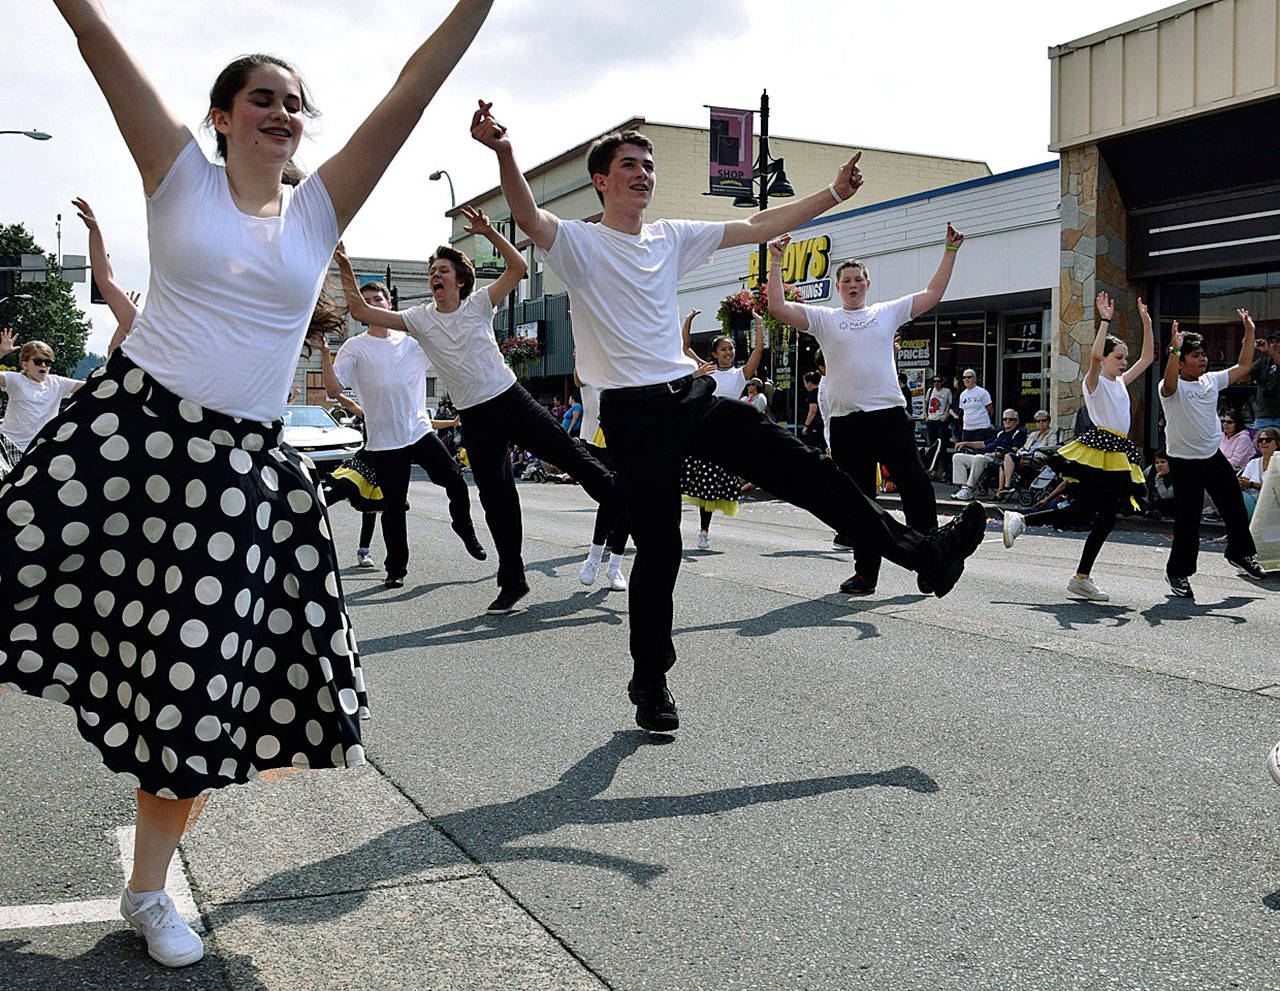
(388, 371)
(123, 305)
(204, 638)
(1193, 435)
(705, 483)
(35, 396)
(456, 332)
(611, 529)
(1103, 460)
(870, 421)
(622, 275)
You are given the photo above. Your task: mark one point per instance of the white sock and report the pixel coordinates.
(596, 553)
(134, 899)
(615, 563)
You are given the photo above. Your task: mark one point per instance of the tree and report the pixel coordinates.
(51, 315)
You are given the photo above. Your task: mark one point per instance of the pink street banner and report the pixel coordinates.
(732, 151)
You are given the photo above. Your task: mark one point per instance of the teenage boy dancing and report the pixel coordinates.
(622, 275)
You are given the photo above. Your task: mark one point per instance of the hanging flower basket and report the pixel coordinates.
(736, 309)
(518, 352)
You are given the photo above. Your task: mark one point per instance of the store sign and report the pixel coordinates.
(805, 265)
(915, 358)
(529, 330)
(732, 155)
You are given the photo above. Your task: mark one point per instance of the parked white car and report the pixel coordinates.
(315, 432)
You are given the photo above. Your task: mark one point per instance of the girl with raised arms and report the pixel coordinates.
(172, 572)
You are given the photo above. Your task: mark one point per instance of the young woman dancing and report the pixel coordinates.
(171, 564)
(1106, 463)
(705, 483)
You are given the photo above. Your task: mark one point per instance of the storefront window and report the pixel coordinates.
(963, 343)
(1023, 382)
(1208, 307)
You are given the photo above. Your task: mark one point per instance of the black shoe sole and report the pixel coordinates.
(500, 608)
(846, 589)
(657, 726)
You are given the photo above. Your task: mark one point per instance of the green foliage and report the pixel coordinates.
(51, 315)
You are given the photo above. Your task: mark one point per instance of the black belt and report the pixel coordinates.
(671, 388)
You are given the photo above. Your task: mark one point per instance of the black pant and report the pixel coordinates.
(651, 431)
(1192, 478)
(859, 442)
(611, 526)
(392, 468)
(1093, 505)
(367, 521)
(515, 417)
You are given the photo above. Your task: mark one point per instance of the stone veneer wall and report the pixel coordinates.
(1094, 245)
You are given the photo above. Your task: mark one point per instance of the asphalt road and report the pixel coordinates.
(1001, 789)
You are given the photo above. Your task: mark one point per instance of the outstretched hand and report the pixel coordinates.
(1144, 313)
(954, 237)
(1176, 336)
(1106, 308)
(85, 212)
(488, 131)
(477, 222)
(705, 368)
(778, 245)
(7, 345)
(1245, 319)
(849, 178)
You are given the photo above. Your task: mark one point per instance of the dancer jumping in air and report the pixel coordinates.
(202, 636)
(1104, 461)
(456, 331)
(622, 275)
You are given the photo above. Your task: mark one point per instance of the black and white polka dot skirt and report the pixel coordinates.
(708, 486)
(169, 573)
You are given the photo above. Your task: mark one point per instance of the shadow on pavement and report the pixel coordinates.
(118, 960)
(1077, 613)
(1175, 609)
(830, 554)
(489, 833)
(408, 592)
(813, 614)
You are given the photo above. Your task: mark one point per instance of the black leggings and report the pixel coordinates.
(611, 526)
(1091, 504)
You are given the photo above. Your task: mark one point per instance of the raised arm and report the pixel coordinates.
(351, 174)
(123, 307)
(685, 329)
(332, 387)
(792, 314)
(757, 351)
(152, 132)
(539, 224)
(930, 296)
(478, 224)
(1169, 383)
(361, 311)
(768, 224)
(1240, 370)
(1148, 346)
(1106, 309)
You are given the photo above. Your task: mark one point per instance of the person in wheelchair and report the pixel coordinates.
(1020, 468)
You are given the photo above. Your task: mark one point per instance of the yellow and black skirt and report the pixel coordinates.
(1102, 459)
(355, 481)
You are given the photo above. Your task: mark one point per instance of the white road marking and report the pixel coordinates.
(103, 909)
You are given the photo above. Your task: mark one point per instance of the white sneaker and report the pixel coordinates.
(364, 559)
(1273, 763)
(1014, 526)
(617, 582)
(964, 493)
(1086, 589)
(588, 573)
(704, 540)
(170, 940)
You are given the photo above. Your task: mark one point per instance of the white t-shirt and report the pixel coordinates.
(937, 404)
(973, 404)
(231, 295)
(758, 401)
(729, 382)
(1108, 405)
(389, 375)
(1192, 428)
(591, 415)
(1253, 470)
(462, 349)
(858, 346)
(32, 404)
(622, 287)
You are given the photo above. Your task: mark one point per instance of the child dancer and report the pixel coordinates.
(1105, 462)
(35, 395)
(456, 332)
(202, 637)
(705, 483)
(1193, 435)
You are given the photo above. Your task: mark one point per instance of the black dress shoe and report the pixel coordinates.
(470, 542)
(655, 708)
(858, 585)
(507, 598)
(1248, 565)
(952, 544)
(394, 581)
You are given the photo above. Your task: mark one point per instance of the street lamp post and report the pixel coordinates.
(34, 135)
(435, 176)
(772, 177)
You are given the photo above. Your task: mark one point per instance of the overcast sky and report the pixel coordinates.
(936, 76)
